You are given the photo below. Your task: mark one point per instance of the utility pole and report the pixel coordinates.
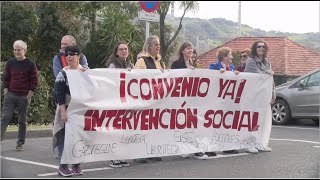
(197, 42)
(239, 19)
(147, 30)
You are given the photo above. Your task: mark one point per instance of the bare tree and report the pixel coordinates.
(163, 11)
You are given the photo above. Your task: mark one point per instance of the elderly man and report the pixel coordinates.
(20, 81)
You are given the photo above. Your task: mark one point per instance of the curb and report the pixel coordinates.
(30, 134)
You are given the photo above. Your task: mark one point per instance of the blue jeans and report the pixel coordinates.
(60, 150)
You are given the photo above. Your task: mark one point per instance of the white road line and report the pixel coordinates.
(30, 162)
(316, 146)
(229, 155)
(83, 170)
(273, 126)
(295, 140)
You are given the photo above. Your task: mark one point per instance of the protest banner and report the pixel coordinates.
(121, 114)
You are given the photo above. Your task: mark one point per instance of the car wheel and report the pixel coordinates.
(316, 121)
(280, 112)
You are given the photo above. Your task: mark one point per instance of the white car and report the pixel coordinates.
(298, 99)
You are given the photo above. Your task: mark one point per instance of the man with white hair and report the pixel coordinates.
(19, 82)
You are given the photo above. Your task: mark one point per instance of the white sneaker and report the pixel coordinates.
(252, 150)
(186, 155)
(267, 149)
(200, 156)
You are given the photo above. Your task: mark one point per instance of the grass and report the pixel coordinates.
(29, 127)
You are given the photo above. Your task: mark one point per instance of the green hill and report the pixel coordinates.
(214, 32)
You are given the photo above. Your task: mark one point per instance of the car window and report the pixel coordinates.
(314, 80)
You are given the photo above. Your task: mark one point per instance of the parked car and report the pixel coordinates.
(298, 99)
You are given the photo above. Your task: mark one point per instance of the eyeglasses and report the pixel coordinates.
(71, 53)
(243, 56)
(123, 49)
(261, 47)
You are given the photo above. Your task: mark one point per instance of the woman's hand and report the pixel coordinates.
(83, 69)
(236, 72)
(222, 70)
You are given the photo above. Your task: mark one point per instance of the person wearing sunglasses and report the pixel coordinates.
(60, 61)
(62, 93)
(244, 55)
(258, 63)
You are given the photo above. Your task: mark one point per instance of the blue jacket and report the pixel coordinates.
(218, 66)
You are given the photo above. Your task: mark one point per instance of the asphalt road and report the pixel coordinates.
(295, 154)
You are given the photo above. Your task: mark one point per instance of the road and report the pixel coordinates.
(295, 154)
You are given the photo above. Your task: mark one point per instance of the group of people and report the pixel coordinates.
(21, 80)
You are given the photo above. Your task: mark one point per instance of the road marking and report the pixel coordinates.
(316, 146)
(83, 170)
(229, 155)
(295, 140)
(30, 162)
(295, 127)
(49, 165)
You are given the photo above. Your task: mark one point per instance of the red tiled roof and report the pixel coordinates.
(286, 57)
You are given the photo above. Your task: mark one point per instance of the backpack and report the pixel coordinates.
(150, 63)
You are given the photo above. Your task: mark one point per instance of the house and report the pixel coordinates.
(288, 59)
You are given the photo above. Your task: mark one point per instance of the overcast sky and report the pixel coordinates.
(284, 16)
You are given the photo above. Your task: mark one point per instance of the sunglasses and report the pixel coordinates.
(71, 53)
(261, 47)
(243, 56)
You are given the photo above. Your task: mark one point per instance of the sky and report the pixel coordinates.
(284, 16)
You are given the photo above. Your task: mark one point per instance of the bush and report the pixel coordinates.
(41, 110)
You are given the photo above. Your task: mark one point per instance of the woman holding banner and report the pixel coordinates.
(62, 93)
(150, 58)
(185, 60)
(119, 59)
(223, 64)
(258, 63)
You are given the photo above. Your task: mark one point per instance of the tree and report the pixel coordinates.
(16, 23)
(163, 10)
(117, 22)
(41, 25)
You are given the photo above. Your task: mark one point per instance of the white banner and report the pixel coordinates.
(120, 114)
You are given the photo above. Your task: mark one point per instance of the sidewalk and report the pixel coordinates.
(31, 133)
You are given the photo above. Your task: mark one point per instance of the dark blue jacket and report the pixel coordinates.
(218, 66)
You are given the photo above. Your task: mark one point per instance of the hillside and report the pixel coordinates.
(214, 32)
